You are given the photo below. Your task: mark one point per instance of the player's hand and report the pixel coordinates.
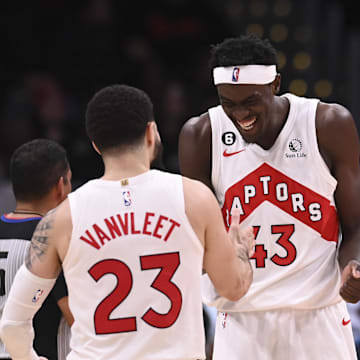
(350, 282)
(243, 239)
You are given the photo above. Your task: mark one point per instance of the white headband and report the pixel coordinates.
(245, 74)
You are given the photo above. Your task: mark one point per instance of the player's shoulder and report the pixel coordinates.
(332, 115)
(335, 125)
(60, 216)
(196, 126)
(197, 189)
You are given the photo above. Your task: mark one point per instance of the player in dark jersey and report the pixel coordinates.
(41, 179)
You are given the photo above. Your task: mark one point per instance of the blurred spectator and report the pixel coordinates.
(55, 54)
(35, 107)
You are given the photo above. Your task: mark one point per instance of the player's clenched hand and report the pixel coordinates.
(350, 282)
(243, 239)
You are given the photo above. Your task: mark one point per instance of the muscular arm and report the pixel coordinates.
(33, 282)
(232, 249)
(63, 304)
(41, 258)
(195, 149)
(339, 145)
(50, 242)
(60, 294)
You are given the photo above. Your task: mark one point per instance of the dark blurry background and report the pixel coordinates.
(56, 54)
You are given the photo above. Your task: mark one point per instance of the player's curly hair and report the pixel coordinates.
(243, 50)
(117, 116)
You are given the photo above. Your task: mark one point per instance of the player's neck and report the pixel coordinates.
(125, 166)
(278, 119)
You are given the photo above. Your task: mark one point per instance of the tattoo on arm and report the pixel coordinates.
(39, 241)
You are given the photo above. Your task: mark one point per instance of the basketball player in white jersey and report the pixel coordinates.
(132, 247)
(41, 178)
(291, 166)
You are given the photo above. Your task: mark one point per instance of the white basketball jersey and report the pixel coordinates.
(133, 271)
(286, 194)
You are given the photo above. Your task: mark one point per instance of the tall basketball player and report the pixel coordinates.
(132, 246)
(41, 179)
(290, 165)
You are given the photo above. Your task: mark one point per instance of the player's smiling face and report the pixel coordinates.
(247, 106)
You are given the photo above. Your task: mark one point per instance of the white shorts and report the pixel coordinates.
(285, 335)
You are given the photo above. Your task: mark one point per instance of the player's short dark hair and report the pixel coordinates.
(243, 50)
(117, 116)
(36, 167)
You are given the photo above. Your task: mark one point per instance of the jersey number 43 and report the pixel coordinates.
(285, 232)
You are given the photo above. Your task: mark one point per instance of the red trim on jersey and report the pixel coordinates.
(327, 226)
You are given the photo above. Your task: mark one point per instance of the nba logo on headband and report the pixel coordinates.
(245, 74)
(235, 75)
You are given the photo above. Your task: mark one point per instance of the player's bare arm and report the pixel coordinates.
(50, 242)
(226, 255)
(41, 258)
(339, 145)
(63, 305)
(33, 282)
(195, 149)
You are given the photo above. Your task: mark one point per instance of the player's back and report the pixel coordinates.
(133, 271)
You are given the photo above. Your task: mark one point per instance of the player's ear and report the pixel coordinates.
(275, 85)
(95, 148)
(151, 133)
(60, 189)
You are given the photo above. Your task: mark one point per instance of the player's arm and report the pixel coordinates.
(339, 144)
(63, 305)
(32, 284)
(195, 149)
(60, 294)
(226, 255)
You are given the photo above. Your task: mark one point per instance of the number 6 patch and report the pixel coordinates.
(228, 138)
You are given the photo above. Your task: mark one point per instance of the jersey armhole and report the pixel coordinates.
(215, 149)
(322, 166)
(75, 221)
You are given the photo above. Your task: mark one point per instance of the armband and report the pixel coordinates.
(26, 296)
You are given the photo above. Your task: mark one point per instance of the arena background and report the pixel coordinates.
(56, 54)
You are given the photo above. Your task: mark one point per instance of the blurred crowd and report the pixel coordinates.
(56, 54)
(59, 53)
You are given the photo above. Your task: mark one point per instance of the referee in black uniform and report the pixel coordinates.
(41, 178)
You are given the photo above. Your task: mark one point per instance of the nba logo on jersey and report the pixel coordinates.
(235, 75)
(126, 197)
(37, 295)
(223, 321)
